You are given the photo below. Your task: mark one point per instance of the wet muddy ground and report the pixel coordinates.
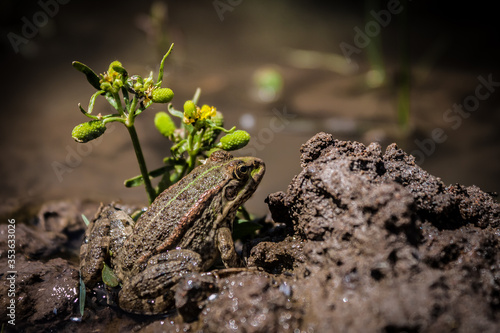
(362, 240)
(321, 92)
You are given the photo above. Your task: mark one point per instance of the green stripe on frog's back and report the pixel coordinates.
(189, 185)
(187, 220)
(179, 218)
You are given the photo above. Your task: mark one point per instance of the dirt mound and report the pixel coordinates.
(387, 246)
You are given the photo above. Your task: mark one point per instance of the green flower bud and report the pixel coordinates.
(218, 119)
(117, 84)
(189, 112)
(164, 124)
(162, 95)
(235, 140)
(106, 86)
(211, 134)
(88, 131)
(137, 86)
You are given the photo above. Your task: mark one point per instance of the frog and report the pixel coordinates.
(186, 229)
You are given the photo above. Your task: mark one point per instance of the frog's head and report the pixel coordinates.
(245, 174)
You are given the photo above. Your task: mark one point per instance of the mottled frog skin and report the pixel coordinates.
(184, 230)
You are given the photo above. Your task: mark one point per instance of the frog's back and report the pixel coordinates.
(173, 212)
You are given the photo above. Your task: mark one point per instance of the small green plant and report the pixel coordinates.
(130, 95)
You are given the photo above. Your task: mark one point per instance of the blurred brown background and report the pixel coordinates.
(424, 58)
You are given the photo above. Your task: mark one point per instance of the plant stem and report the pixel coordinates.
(196, 96)
(191, 163)
(142, 163)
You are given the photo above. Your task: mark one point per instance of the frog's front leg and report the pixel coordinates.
(149, 292)
(226, 248)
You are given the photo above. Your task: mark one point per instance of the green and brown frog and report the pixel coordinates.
(185, 229)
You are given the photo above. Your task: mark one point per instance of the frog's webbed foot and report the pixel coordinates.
(149, 292)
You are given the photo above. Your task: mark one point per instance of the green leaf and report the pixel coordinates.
(126, 98)
(135, 215)
(245, 228)
(92, 100)
(111, 100)
(109, 277)
(82, 110)
(86, 220)
(83, 295)
(179, 148)
(89, 73)
(120, 69)
(171, 161)
(196, 96)
(175, 113)
(162, 65)
(134, 181)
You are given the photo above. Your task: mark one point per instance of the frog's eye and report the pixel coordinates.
(241, 171)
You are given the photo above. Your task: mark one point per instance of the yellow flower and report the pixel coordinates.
(187, 120)
(207, 112)
(194, 113)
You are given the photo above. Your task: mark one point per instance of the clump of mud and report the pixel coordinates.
(363, 241)
(387, 246)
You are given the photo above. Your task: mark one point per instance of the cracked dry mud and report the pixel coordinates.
(363, 241)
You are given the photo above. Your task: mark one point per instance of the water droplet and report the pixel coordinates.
(285, 289)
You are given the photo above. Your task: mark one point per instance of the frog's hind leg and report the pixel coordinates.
(104, 235)
(149, 292)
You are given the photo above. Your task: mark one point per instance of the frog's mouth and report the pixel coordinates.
(258, 172)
